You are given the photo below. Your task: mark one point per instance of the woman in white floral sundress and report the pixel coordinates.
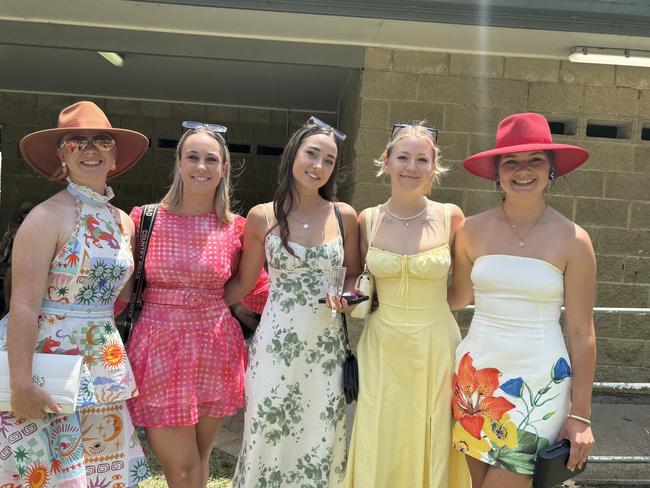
(294, 431)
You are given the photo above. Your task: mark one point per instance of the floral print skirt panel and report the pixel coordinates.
(294, 430)
(512, 382)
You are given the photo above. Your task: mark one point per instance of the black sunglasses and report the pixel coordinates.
(400, 125)
(324, 125)
(216, 128)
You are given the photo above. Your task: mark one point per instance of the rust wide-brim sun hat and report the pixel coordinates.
(524, 133)
(39, 148)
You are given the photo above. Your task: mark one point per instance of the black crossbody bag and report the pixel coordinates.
(350, 366)
(144, 232)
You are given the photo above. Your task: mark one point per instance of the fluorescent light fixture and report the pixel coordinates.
(113, 58)
(605, 55)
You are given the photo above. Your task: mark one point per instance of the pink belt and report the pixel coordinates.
(182, 296)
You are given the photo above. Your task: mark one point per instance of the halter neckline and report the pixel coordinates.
(90, 196)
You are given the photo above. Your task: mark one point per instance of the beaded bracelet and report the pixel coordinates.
(579, 419)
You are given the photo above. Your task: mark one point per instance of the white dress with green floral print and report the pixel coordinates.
(294, 430)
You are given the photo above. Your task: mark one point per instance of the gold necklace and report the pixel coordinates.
(512, 226)
(405, 220)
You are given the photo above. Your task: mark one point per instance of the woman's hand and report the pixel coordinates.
(340, 304)
(29, 401)
(582, 441)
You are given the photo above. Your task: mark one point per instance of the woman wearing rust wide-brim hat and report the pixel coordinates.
(72, 260)
(516, 388)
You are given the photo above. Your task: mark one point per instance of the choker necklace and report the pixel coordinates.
(405, 220)
(90, 196)
(512, 226)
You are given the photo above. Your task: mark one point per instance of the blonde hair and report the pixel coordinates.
(221, 203)
(415, 129)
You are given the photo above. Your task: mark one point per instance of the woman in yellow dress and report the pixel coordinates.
(402, 427)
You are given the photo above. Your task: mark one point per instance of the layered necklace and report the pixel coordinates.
(513, 227)
(405, 220)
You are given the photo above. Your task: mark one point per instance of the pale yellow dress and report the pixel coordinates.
(403, 421)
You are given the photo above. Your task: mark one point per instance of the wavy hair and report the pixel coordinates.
(286, 196)
(414, 129)
(222, 194)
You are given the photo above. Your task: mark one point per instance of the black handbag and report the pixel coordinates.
(144, 232)
(350, 366)
(550, 466)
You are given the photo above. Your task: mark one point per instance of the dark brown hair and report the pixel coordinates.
(283, 200)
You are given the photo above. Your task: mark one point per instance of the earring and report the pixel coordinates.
(64, 168)
(552, 175)
(497, 182)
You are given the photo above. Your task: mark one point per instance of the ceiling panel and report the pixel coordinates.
(298, 87)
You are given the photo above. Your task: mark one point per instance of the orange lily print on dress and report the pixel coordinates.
(473, 403)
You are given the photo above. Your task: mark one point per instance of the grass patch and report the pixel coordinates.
(222, 468)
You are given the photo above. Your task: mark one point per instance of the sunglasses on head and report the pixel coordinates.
(433, 130)
(216, 128)
(324, 125)
(78, 143)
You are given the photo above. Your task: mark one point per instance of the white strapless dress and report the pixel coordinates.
(512, 379)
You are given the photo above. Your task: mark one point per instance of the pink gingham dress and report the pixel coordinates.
(187, 351)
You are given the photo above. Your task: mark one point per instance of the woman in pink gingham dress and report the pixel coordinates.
(187, 351)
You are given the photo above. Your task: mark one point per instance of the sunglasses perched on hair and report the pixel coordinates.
(433, 130)
(78, 143)
(216, 128)
(324, 125)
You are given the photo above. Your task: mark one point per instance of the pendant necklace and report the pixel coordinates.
(512, 226)
(405, 220)
(305, 225)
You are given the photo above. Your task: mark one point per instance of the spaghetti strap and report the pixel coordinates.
(447, 215)
(266, 215)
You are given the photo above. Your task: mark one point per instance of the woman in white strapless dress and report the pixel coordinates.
(517, 388)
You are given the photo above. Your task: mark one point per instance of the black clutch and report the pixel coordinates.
(550, 466)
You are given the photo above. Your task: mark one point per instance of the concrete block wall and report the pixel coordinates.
(21, 113)
(466, 96)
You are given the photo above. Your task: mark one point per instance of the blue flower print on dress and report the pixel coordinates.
(561, 370)
(514, 387)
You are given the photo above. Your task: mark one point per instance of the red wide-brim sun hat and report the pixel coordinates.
(524, 133)
(39, 148)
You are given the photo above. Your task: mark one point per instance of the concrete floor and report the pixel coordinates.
(621, 430)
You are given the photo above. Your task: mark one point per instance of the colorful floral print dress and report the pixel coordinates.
(294, 428)
(512, 383)
(96, 447)
(187, 351)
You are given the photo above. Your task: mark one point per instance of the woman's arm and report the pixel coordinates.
(579, 286)
(460, 292)
(351, 258)
(34, 249)
(365, 217)
(124, 297)
(252, 258)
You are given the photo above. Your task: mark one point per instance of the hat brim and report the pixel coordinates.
(567, 158)
(39, 149)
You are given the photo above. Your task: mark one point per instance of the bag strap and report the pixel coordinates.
(447, 215)
(371, 232)
(344, 321)
(147, 220)
(337, 212)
